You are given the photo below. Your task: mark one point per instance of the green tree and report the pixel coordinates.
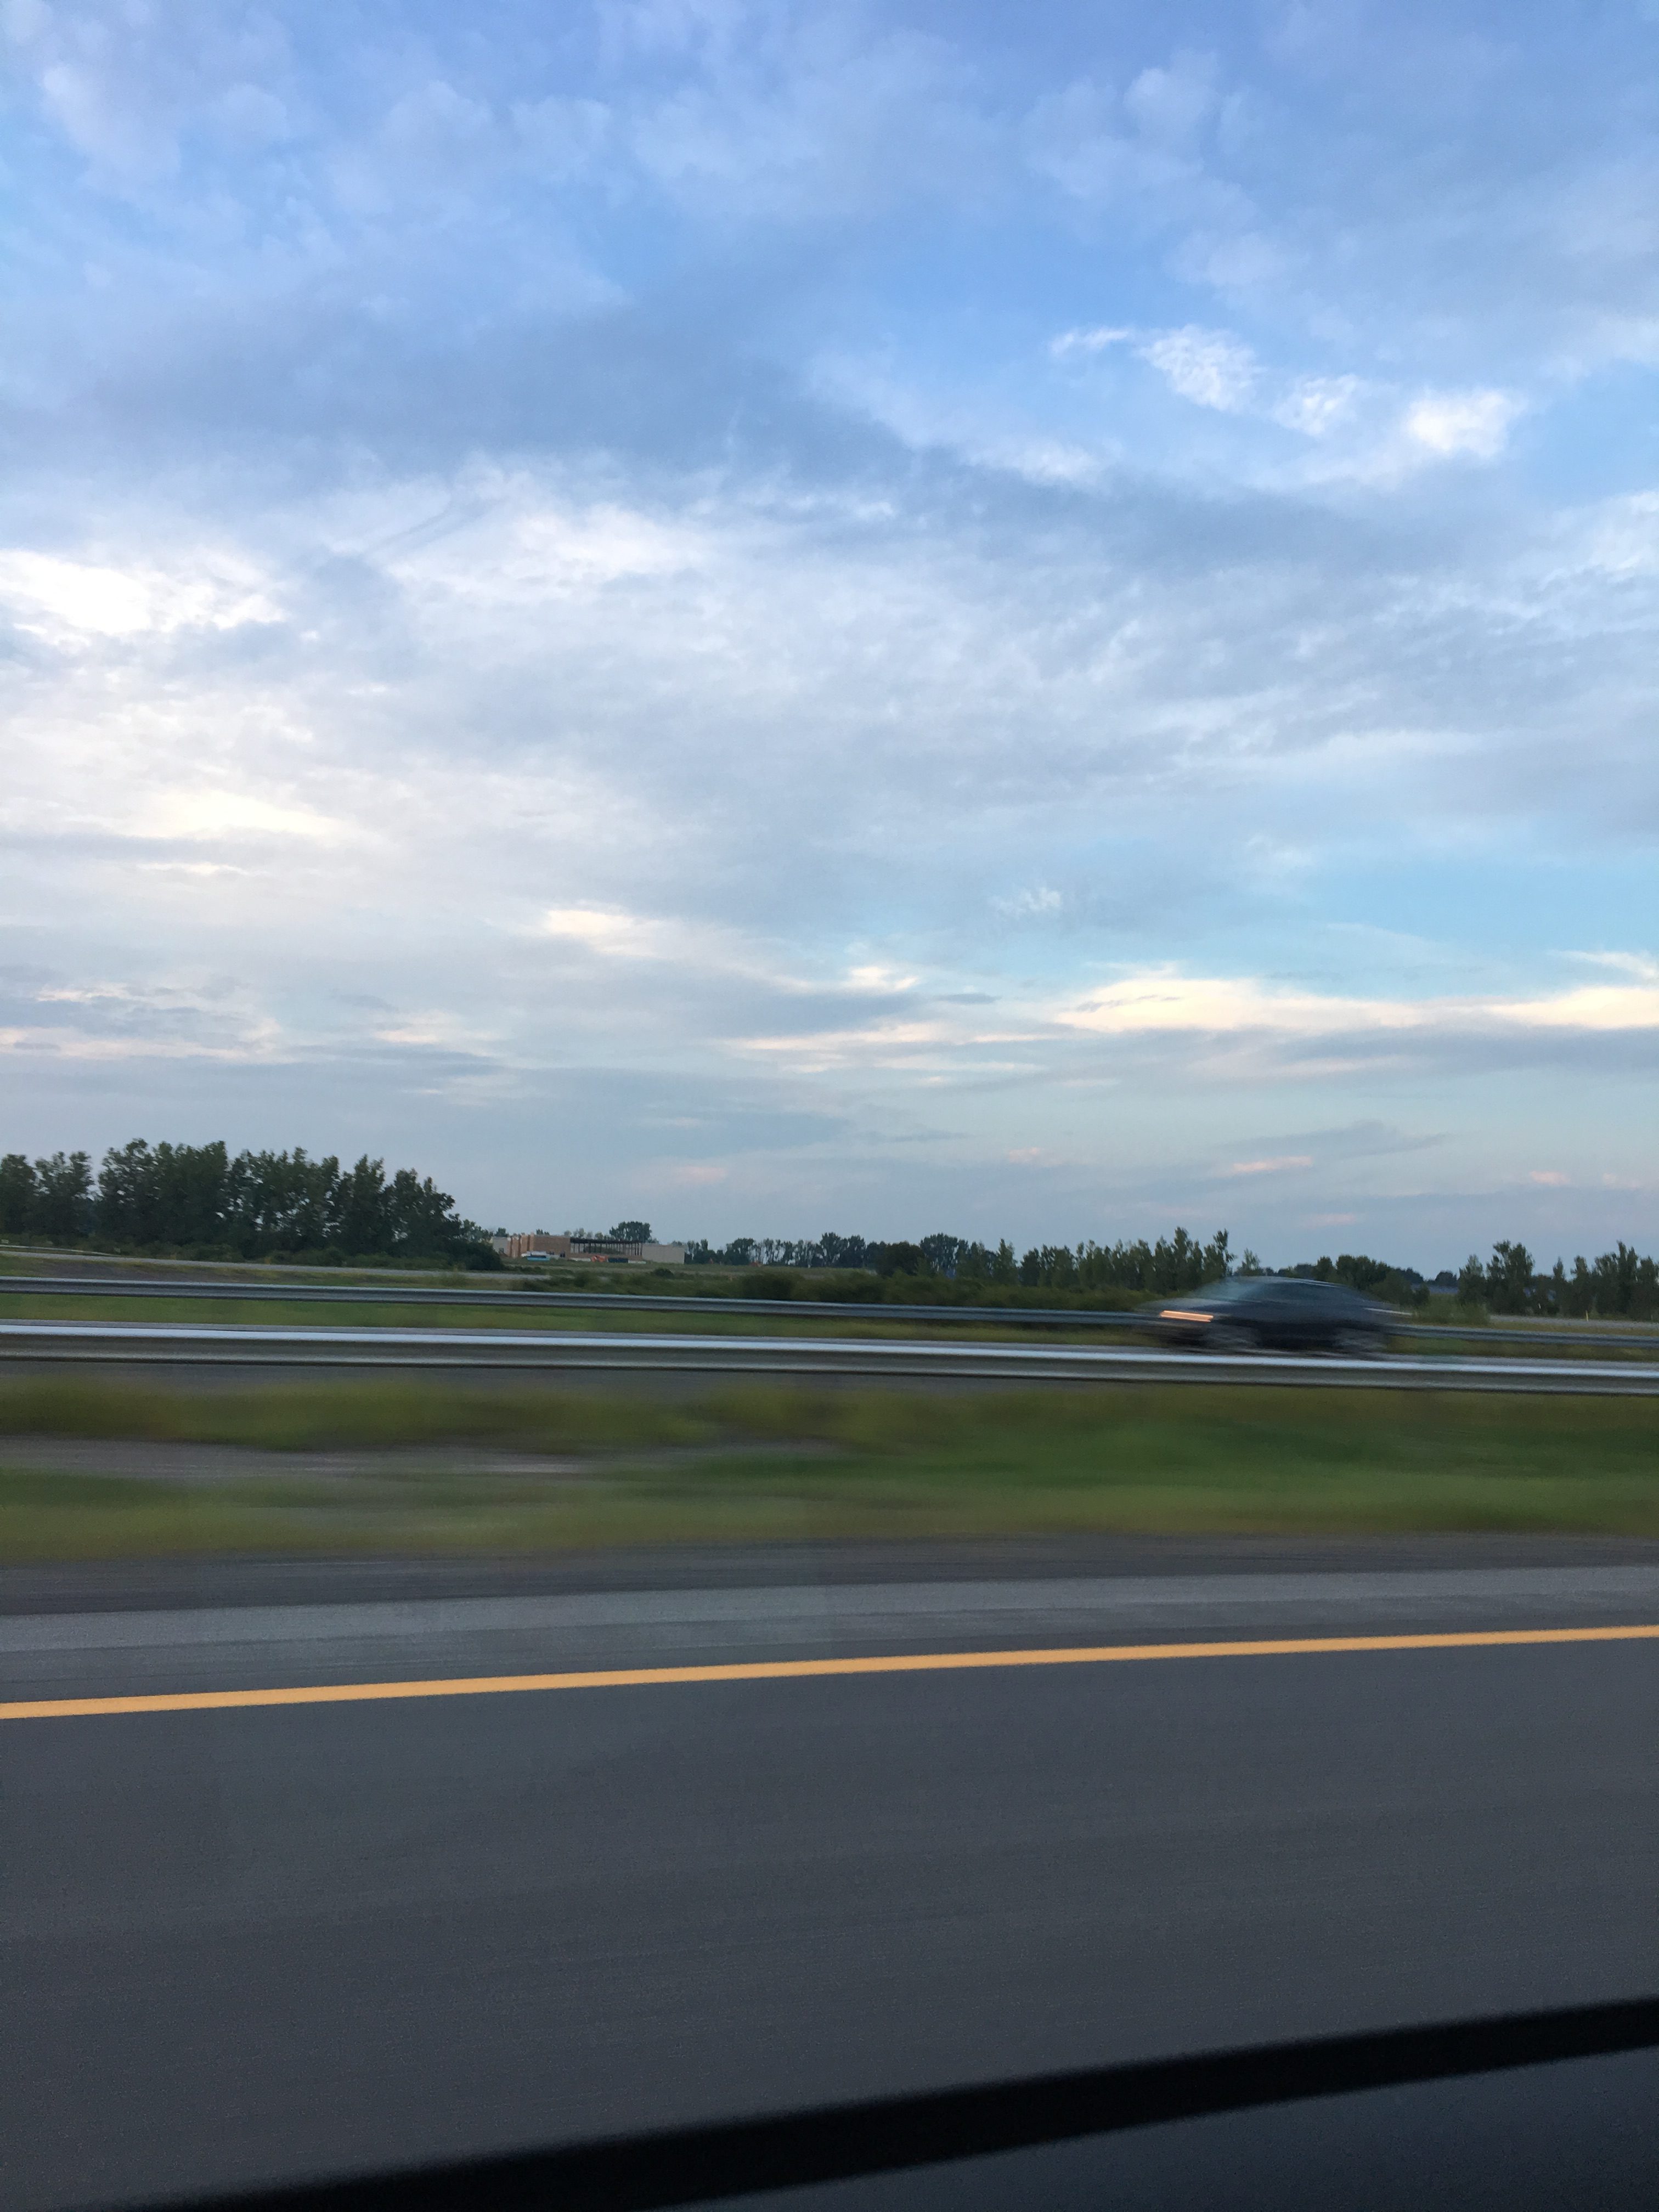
(358, 1219)
(420, 1217)
(19, 1193)
(1509, 1278)
(168, 1194)
(62, 1202)
(898, 1259)
(941, 1253)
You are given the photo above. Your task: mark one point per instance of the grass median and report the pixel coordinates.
(394, 1467)
(711, 1317)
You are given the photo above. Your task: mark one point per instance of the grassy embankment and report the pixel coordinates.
(711, 1317)
(756, 1462)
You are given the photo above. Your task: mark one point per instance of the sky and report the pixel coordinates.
(1037, 620)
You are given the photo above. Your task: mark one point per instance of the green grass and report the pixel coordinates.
(714, 1317)
(362, 1413)
(755, 1463)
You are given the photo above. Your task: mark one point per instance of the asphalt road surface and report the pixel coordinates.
(273, 1940)
(1522, 1334)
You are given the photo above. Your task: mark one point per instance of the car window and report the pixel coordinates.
(722, 718)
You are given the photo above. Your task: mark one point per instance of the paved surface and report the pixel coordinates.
(108, 1653)
(260, 1943)
(1522, 1331)
(242, 1345)
(167, 1584)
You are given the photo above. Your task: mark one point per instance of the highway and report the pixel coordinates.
(1626, 1337)
(279, 1939)
(865, 1358)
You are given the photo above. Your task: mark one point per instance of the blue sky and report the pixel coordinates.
(1037, 620)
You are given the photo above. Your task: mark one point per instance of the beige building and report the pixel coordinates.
(603, 1251)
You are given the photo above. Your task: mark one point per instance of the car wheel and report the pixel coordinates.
(1232, 1336)
(1357, 1343)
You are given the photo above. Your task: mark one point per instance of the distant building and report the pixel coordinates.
(600, 1251)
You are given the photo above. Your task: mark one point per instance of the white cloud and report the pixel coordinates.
(1210, 367)
(1366, 430)
(61, 599)
(1173, 104)
(1449, 423)
(1038, 899)
(617, 936)
(1642, 965)
(1090, 341)
(210, 814)
(177, 1022)
(506, 539)
(1166, 1000)
(1319, 406)
(1622, 537)
(1288, 1035)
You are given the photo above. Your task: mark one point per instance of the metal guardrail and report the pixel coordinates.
(794, 1308)
(199, 1344)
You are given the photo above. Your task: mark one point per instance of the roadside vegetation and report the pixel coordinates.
(198, 1201)
(731, 1313)
(1622, 1284)
(763, 1303)
(427, 1467)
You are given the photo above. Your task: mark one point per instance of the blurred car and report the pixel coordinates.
(1286, 1313)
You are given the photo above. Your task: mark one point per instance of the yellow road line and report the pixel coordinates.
(773, 1670)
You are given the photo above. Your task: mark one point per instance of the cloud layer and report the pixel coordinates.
(842, 615)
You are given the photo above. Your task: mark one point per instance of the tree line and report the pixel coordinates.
(1618, 1285)
(1180, 1262)
(197, 1201)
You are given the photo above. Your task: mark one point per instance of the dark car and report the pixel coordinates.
(1289, 1313)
